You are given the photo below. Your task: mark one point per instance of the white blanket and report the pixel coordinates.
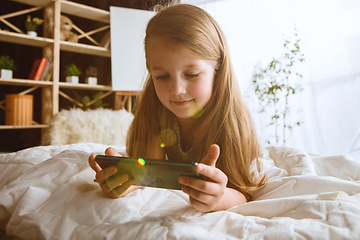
(49, 193)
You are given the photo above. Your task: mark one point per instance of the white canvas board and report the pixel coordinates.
(127, 27)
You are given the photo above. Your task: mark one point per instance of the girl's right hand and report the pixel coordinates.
(112, 185)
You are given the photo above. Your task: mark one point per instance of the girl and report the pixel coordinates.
(191, 110)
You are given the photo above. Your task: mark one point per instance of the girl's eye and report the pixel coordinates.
(192, 75)
(162, 77)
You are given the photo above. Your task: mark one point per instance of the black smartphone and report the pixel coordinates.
(150, 172)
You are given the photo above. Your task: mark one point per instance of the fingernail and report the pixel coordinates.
(200, 168)
(124, 177)
(113, 170)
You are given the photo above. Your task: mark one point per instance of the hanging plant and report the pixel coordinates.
(276, 83)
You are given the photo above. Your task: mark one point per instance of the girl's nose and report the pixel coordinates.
(178, 86)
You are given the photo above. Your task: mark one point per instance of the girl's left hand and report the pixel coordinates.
(206, 194)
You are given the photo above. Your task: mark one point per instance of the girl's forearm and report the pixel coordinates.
(230, 199)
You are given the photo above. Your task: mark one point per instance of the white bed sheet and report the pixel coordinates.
(48, 193)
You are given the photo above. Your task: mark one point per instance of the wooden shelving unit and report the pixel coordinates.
(24, 82)
(85, 49)
(24, 127)
(51, 89)
(24, 39)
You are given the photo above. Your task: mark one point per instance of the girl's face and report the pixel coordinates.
(183, 82)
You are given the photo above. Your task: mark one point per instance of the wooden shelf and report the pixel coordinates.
(24, 39)
(85, 49)
(24, 127)
(84, 11)
(83, 86)
(41, 3)
(24, 82)
(27, 82)
(75, 9)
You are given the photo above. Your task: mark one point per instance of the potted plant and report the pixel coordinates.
(72, 73)
(91, 75)
(86, 103)
(32, 25)
(6, 66)
(276, 83)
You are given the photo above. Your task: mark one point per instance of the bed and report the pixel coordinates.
(48, 192)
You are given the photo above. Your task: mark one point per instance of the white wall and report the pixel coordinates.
(330, 30)
(128, 67)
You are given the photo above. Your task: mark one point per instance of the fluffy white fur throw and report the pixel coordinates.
(99, 126)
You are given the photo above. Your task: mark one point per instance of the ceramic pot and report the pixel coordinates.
(91, 80)
(6, 74)
(72, 79)
(32, 33)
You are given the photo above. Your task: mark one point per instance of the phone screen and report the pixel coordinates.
(150, 172)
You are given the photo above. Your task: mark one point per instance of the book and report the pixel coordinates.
(45, 72)
(37, 69)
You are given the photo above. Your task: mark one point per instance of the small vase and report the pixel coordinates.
(6, 74)
(32, 33)
(19, 109)
(72, 79)
(91, 80)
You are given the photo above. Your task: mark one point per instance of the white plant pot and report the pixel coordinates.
(72, 79)
(6, 74)
(32, 33)
(91, 80)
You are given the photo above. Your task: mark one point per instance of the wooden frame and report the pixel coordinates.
(52, 46)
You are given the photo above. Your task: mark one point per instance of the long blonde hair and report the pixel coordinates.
(225, 120)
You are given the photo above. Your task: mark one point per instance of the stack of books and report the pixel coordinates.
(39, 69)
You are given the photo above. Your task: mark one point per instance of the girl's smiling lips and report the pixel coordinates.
(182, 103)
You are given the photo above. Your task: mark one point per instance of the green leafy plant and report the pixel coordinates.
(33, 24)
(87, 103)
(72, 70)
(276, 82)
(91, 71)
(7, 63)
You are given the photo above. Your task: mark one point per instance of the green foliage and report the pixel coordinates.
(91, 71)
(7, 63)
(86, 103)
(32, 24)
(72, 70)
(276, 82)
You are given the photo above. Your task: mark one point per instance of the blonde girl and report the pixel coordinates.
(191, 110)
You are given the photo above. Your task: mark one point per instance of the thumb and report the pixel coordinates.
(111, 152)
(212, 155)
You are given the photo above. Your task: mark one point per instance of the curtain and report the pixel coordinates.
(330, 32)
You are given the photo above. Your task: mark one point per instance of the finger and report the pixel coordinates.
(212, 173)
(201, 206)
(198, 195)
(93, 164)
(114, 182)
(101, 176)
(200, 185)
(111, 152)
(118, 191)
(212, 155)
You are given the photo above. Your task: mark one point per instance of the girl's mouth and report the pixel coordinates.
(182, 103)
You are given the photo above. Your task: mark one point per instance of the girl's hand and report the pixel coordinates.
(110, 183)
(206, 194)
